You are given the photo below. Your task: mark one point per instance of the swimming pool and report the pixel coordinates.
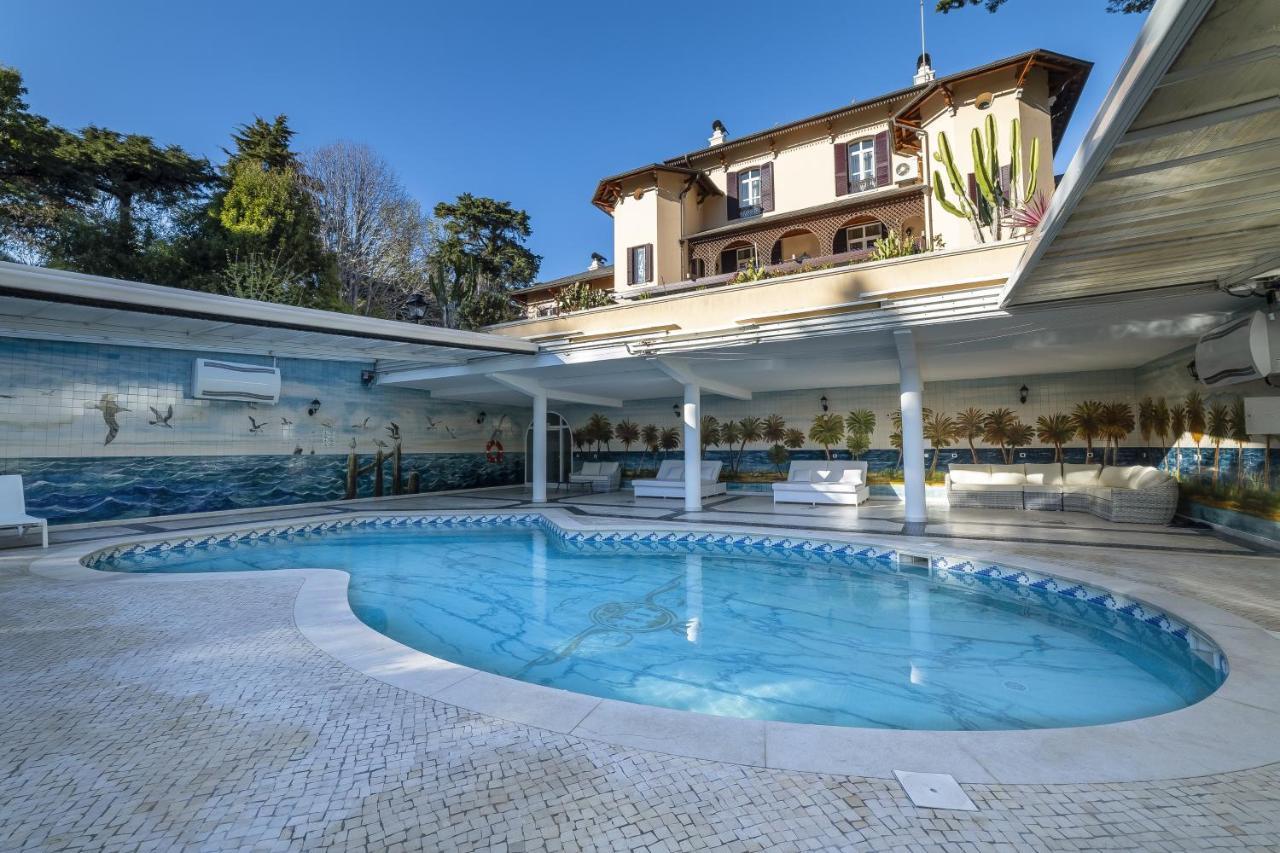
(739, 631)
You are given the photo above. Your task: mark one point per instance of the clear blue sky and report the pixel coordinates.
(528, 102)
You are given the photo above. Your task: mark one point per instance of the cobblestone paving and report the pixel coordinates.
(152, 716)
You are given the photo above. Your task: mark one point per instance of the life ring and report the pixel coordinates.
(493, 451)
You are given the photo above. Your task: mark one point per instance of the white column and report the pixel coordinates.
(692, 448)
(912, 425)
(539, 448)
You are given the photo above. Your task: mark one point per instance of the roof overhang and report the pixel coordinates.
(1177, 181)
(55, 304)
(609, 190)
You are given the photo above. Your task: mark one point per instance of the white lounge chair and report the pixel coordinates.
(670, 481)
(13, 509)
(600, 476)
(828, 481)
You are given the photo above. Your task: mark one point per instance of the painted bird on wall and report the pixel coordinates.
(110, 408)
(161, 420)
(254, 425)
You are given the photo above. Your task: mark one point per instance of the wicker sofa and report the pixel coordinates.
(598, 476)
(670, 481)
(1135, 494)
(823, 482)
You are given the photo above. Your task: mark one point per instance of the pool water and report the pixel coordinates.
(740, 633)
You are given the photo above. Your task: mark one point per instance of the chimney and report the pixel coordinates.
(597, 261)
(924, 70)
(718, 133)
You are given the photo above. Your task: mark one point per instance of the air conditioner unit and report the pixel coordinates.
(214, 379)
(906, 170)
(1238, 351)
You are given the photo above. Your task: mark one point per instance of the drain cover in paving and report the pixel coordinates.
(934, 791)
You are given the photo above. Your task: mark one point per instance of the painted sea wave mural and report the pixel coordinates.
(106, 488)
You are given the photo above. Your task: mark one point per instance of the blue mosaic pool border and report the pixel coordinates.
(939, 566)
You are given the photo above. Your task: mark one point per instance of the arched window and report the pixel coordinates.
(858, 235)
(794, 245)
(697, 268)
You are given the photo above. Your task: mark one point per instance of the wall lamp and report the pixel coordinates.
(1023, 393)
(675, 409)
(823, 401)
(480, 418)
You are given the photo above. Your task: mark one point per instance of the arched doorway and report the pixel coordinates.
(795, 245)
(858, 235)
(559, 450)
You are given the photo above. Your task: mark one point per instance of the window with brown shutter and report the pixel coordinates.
(640, 264)
(884, 163)
(731, 193)
(766, 187)
(842, 168)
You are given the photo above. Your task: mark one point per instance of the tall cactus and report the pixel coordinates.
(995, 197)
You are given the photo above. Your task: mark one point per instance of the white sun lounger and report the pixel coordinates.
(13, 508)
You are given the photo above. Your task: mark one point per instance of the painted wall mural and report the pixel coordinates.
(102, 432)
(1153, 415)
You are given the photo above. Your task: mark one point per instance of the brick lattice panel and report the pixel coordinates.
(890, 212)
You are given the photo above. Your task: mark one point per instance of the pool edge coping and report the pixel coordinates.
(1230, 730)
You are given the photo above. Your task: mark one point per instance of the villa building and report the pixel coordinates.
(544, 298)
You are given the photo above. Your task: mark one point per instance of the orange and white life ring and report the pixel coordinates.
(493, 451)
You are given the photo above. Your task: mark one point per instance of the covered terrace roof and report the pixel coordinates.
(58, 305)
(1177, 181)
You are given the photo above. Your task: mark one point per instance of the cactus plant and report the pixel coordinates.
(993, 196)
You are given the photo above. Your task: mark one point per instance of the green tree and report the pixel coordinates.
(941, 431)
(1087, 417)
(859, 425)
(998, 428)
(628, 433)
(1055, 430)
(485, 239)
(1196, 422)
(1018, 435)
(708, 433)
(778, 456)
(1116, 422)
(775, 429)
(1177, 427)
(1240, 435)
(39, 181)
(138, 186)
(750, 429)
(650, 437)
(669, 440)
(1218, 428)
(793, 439)
(970, 426)
(827, 429)
(600, 431)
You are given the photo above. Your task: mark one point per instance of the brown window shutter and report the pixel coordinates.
(1005, 183)
(631, 266)
(884, 162)
(766, 187)
(728, 260)
(648, 262)
(841, 243)
(842, 168)
(731, 193)
(973, 188)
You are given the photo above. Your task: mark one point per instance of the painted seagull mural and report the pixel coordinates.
(393, 430)
(255, 426)
(110, 408)
(363, 424)
(432, 423)
(159, 419)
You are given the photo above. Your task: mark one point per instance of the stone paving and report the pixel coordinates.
(194, 716)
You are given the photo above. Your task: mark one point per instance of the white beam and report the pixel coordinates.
(1257, 267)
(495, 364)
(533, 388)
(911, 394)
(539, 448)
(681, 371)
(692, 448)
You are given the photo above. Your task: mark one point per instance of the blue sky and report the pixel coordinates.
(527, 102)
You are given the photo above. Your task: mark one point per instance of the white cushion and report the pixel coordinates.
(1044, 474)
(589, 469)
(1008, 475)
(1115, 477)
(1080, 475)
(1149, 478)
(851, 477)
(675, 472)
(969, 474)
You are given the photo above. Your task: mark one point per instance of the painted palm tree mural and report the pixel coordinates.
(859, 425)
(1196, 422)
(970, 427)
(827, 430)
(1055, 430)
(940, 430)
(1087, 418)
